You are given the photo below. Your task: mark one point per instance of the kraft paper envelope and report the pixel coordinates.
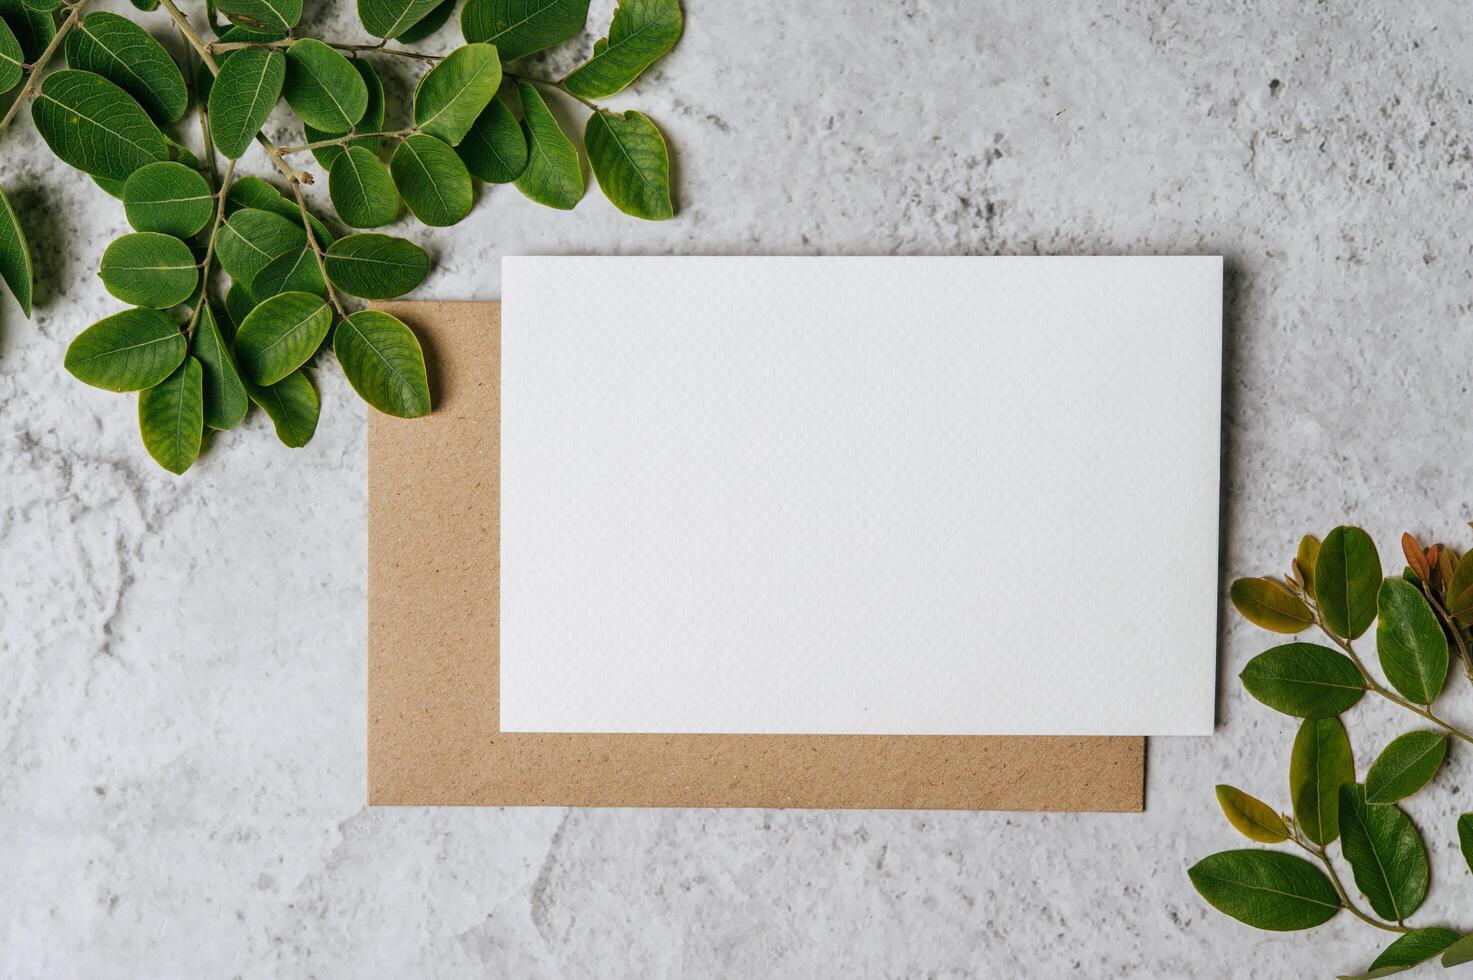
(434, 736)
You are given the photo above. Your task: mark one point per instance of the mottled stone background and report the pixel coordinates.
(182, 661)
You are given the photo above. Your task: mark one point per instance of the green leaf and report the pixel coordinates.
(631, 163)
(362, 191)
(1465, 838)
(495, 150)
(452, 94)
(146, 268)
(11, 59)
(129, 57)
(521, 27)
(432, 180)
(383, 362)
(1305, 559)
(1304, 679)
(224, 393)
(242, 97)
(1385, 853)
(1347, 573)
(554, 174)
(1405, 766)
(1268, 604)
(253, 192)
(376, 266)
(429, 23)
(372, 121)
(641, 32)
(1417, 946)
(392, 18)
(251, 238)
(295, 271)
(1266, 889)
(34, 29)
(322, 87)
(171, 417)
(127, 351)
(1410, 642)
(169, 198)
(1460, 591)
(1459, 952)
(280, 335)
(238, 304)
(1251, 816)
(15, 256)
(1321, 762)
(262, 15)
(95, 126)
(292, 406)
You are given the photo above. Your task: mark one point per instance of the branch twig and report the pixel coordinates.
(36, 69)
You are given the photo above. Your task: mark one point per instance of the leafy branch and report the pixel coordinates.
(1421, 617)
(237, 287)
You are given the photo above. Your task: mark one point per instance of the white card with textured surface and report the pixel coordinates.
(907, 496)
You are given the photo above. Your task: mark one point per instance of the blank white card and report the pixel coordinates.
(907, 496)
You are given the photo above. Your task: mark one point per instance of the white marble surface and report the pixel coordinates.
(181, 714)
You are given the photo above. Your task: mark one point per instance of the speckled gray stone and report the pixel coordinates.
(182, 711)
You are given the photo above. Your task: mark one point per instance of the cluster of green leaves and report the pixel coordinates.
(1422, 617)
(236, 287)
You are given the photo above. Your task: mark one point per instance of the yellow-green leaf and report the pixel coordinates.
(1269, 604)
(1252, 817)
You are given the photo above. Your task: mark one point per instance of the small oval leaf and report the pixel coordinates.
(251, 239)
(268, 16)
(522, 27)
(225, 396)
(495, 150)
(553, 175)
(1268, 603)
(1385, 853)
(1304, 679)
(146, 268)
(168, 198)
(362, 190)
(452, 94)
(1266, 889)
(322, 87)
(95, 126)
(1251, 816)
(243, 95)
(171, 417)
(1320, 763)
(280, 335)
(392, 18)
(12, 58)
(127, 351)
(1410, 642)
(1417, 946)
(433, 182)
(376, 266)
(15, 256)
(1405, 766)
(372, 121)
(631, 163)
(292, 406)
(640, 33)
(295, 271)
(129, 57)
(383, 362)
(1347, 573)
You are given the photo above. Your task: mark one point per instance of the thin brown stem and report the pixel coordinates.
(1452, 627)
(40, 66)
(332, 294)
(204, 284)
(382, 47)
(551, 83)
(1324, 859)
(344, 140)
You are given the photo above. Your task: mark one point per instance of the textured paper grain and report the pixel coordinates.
(433, 733)
(860, 495)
